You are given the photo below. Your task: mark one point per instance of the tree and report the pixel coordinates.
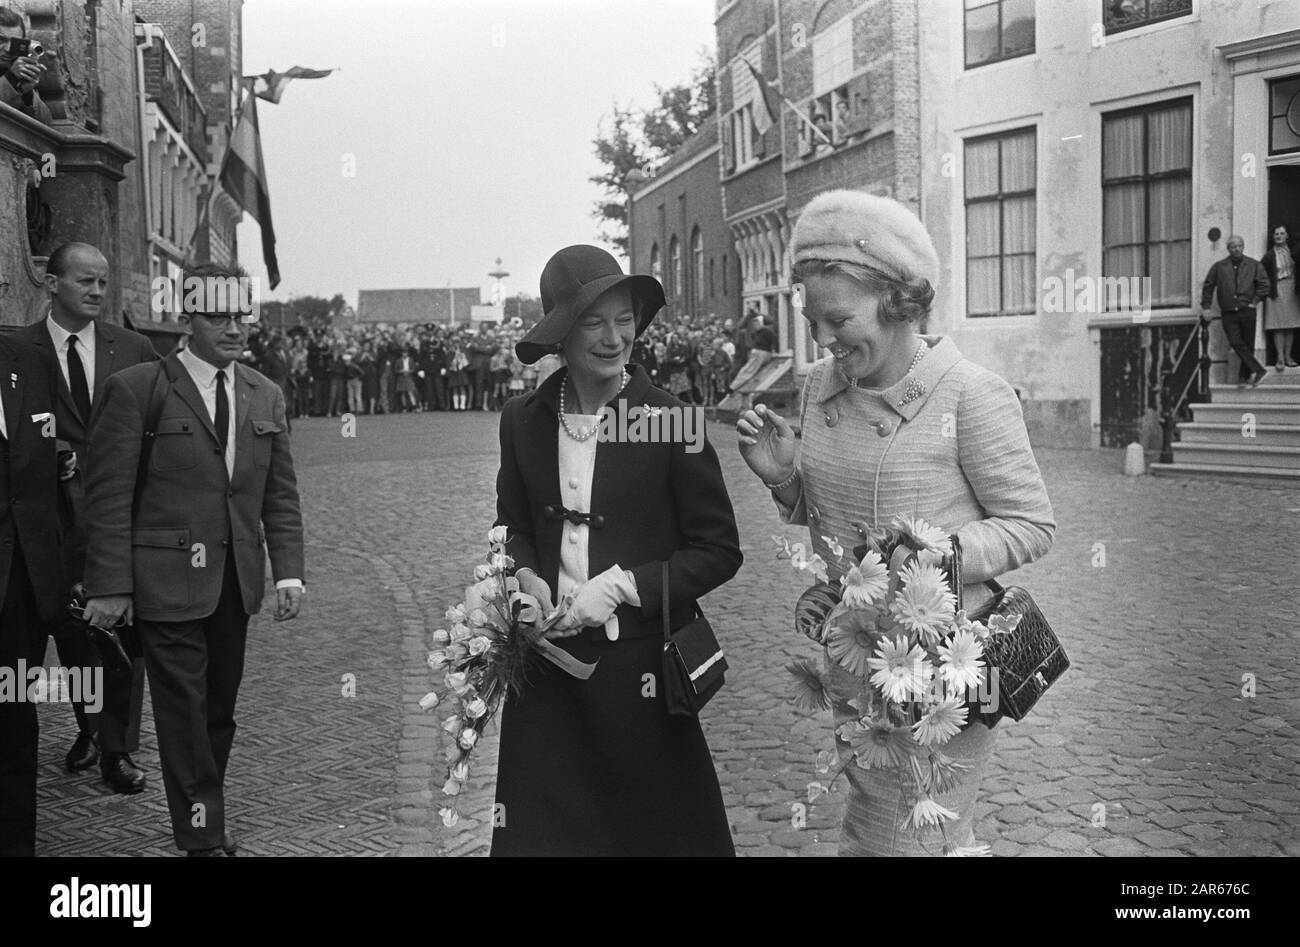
(630, 140)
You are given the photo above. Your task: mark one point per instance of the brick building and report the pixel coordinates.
(679, 235)
(850, 67)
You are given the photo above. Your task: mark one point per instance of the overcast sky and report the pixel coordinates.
(464, 149)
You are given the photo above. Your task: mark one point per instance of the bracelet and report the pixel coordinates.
(774, 487)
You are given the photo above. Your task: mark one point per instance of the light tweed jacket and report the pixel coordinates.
(947, 443)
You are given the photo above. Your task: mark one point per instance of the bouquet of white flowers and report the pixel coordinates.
(914, 662)
(493, 642)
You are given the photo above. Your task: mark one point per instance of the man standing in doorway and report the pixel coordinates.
(1238, 282)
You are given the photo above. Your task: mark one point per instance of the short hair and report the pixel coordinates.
(900, 300)
(57, 264)
(11, 18)
(208, 269)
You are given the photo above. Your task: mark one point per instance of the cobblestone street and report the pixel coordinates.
(1171, 597)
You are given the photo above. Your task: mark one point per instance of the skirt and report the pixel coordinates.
(1283, 312)
(875, 806)
(598, 767)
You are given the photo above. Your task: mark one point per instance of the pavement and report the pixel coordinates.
(1174, 733)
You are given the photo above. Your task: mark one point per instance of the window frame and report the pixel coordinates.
(1145, 21)
(1002, 55)
(1146, 178)
(998, 197)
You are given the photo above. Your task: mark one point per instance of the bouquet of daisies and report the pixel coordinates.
(494, 639)
(905, 663)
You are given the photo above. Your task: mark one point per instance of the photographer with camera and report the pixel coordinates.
(20, 68)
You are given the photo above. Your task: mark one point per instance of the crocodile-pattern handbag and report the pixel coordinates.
(1028, 659)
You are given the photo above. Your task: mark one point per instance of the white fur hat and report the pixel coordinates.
(857, 227)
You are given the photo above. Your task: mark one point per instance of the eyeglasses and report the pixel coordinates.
(222, 320)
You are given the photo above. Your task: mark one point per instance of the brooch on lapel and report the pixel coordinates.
(913, 391)
(13, 379)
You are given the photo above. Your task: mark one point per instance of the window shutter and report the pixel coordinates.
(728, 152)
(859, 120)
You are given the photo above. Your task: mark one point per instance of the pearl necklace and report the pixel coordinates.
(582, 434)
(916, 360)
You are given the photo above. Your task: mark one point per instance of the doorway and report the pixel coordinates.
(1283, 208)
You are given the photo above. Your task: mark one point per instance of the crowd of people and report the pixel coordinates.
(375, 369)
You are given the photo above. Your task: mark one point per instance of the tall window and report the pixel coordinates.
(1001, 239)
(724, 274)
(832, 51)
(1121, 15)
(674, 267)
(712, 287)
(743, 142)
(656, 264)
(998, 29)
(1146, 184)
(697, 267)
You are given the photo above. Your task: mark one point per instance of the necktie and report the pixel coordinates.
(223, 411)
(77, 380)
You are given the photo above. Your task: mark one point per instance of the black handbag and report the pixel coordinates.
(1027, 660)
(693, 662)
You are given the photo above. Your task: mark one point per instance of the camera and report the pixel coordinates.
(25, 47)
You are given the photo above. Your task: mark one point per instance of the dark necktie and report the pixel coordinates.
(77, 380)
(223, 411)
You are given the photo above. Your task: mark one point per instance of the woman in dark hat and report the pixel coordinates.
(598, 766)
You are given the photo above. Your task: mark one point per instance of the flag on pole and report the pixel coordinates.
(243, 176)
(765, 111)
(275, 82)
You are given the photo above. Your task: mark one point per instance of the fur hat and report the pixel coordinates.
(857, 227)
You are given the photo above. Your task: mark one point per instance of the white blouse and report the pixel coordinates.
(577, 467)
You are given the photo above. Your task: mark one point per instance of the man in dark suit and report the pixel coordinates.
(87, 351)
(33, 588)
(188, 562)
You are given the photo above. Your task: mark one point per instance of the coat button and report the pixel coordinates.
(884, 428)
(573, 537)
(573, 483)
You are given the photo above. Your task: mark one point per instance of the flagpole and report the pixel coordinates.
(764, 84)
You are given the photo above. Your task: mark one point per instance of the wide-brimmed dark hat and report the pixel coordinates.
(573, 279)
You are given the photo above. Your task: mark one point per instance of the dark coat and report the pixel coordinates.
(1269, 263)
(659, 502)
(116, 348)
(599, 767)
(189, 499)
(29, 517)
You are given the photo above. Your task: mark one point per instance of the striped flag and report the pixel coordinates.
(275, 82)
(243, 176)
(765, 111)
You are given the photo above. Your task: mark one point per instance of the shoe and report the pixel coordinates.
(84, 753)
(229, 845)
(1256, 378)
(121, 774)
(217, 852)
(1292, 363)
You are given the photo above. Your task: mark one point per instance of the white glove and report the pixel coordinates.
(596, 599)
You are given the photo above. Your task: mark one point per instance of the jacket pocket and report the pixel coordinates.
(173, 447)
(264, 432)
(161, 560)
